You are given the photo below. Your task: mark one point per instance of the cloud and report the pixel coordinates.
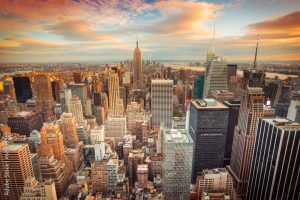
(105, 29)
(78, 30)
(35, 42)
(284, 23)
(13, 37)
(185, 19)
(283, 30)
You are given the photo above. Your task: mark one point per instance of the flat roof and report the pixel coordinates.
(13, 147)
(232, 102)
(217, 105)
(177, 136)
(23, 113)
(283, 123)
(161, 81)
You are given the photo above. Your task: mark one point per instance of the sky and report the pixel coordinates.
(107, 30)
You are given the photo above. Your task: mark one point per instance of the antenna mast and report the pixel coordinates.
(213, 44)
(255, 58)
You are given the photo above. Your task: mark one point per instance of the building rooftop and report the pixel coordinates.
(142, 168)
(21, 114)
(13, 147)
(177, 136)
(214, 171)
(207, 103)
(232, 102)
(161, 81)
(283, 123)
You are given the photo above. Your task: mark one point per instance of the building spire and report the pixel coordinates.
(255, 58)
(213, 42)
(137, 41)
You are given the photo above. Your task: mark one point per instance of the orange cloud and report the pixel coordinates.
(287, 22)
(186, 19)
(30, 41)
(11, 38)
(281, 30)
(79, 30)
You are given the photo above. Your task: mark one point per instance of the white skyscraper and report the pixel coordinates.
(177, 164)
(65, 97)
(162, 102)
(216, 76)
(76, 109)
(99, 150)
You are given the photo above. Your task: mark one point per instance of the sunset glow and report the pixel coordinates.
(101, 30)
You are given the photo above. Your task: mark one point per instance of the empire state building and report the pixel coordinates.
(137, 67)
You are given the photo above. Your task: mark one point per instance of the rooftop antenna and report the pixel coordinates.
(255, 58)
(213, 44)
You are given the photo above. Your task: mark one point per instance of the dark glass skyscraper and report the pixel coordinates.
(198, 87)
(23, 89)
(275, 166)
(208, 128)
(234, 108)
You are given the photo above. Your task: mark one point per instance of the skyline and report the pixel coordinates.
(94, 31)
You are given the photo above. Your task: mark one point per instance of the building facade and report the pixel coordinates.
(275, 172)
(137, 67)
(162, 102)
(208, 125)
(76, 109)
(210, 180)
(234, 108)
(15, 168)
(198, 87)
(177, 164)
(252, 107)
(216, 76)
(25, 122)
(44, 100)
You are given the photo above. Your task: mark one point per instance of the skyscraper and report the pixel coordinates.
(52, 160)
(244, 136)
(208, 127)
(78, 76)
(294, 108)
(76, 109)
(22, 88)
(15, 168)
(9, 89)
(142, 174)
(80, 90)
(69, 131)
(56, 86)
(162, 102)
(114, 94)
(44, 100)
(177, 164)
(25, 122)
(234, 108)
(52, 137)
(137, 67)
(64, 99)
(198, 87)
(274, 171)
(216, 76)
